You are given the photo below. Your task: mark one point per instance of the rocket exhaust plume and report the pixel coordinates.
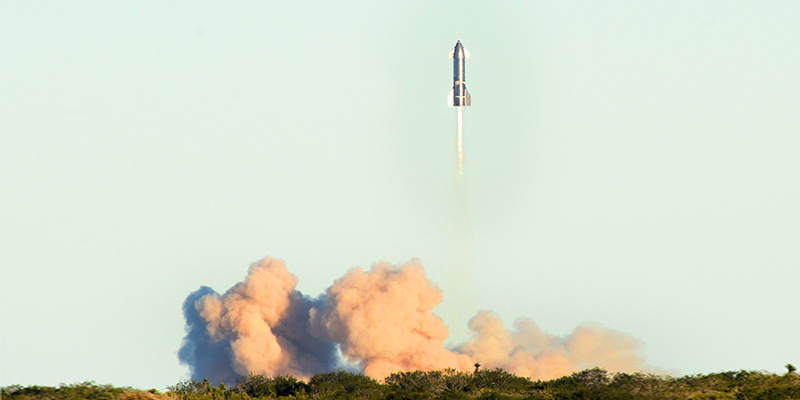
(380, 320)
(460, 141)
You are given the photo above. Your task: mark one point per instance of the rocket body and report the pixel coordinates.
(459, 96)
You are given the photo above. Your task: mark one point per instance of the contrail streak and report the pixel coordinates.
(461, 140)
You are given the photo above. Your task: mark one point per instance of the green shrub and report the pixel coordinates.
(341, 384)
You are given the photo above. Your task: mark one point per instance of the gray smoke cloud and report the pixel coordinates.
(205, 357)
(380, 320)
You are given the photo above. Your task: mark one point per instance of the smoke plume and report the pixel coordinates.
(260, 325)
(383, 320)
(380, 320)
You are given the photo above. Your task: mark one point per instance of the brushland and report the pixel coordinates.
(448, 384)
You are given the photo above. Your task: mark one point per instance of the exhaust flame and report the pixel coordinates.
(382, 320)
(460, 140)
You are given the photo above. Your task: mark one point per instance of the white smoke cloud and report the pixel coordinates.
(381, 320)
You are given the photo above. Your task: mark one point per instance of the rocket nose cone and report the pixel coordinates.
(459, 50)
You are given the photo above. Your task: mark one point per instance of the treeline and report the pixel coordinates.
(486, 384)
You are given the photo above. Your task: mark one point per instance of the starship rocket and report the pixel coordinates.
(459, 96)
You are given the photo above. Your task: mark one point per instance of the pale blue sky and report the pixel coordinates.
(631, 163)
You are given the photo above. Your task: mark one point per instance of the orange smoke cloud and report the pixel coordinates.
(528, 351)
(262, 324)
(381, 320)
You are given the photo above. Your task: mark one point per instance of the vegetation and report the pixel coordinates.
(78, 391)
(449, 384)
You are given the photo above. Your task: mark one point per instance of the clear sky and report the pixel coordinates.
(635, 164)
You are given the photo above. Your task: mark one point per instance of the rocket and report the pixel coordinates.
(459, 96)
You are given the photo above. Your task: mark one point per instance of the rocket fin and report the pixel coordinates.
(450, 98)
(466, 52)
(452, 53)
(469, 98)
